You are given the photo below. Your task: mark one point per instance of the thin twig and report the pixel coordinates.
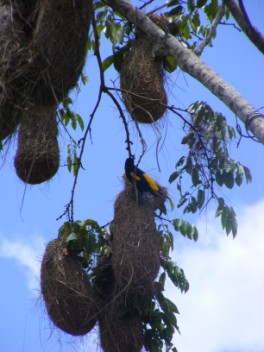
(128, 140)
(69, 208)
(198, 51)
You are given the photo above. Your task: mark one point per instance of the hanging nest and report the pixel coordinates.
(37, 158)
(141, 81)
(68, 296)
(43, 48)
(120, 332)
(12, 42)
(136, 245)
(142, 78)
(58, 49)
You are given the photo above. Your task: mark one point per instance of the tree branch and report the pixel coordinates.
(241, 17)
(192, 64)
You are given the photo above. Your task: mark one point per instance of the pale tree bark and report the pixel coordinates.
(191, 64)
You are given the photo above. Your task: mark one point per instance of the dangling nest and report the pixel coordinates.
(120, 326)
(142, 78)
(121, 332)
(58, 49)
(12, 43)
(69, 298)
(136, 245)
(37, 158)
(141, 81)
(43, 49)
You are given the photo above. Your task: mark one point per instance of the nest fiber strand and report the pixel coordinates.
(68, 296)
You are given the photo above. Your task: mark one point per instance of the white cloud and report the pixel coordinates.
(27, 255)
(223, 310)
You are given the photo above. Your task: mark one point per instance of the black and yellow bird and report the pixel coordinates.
(142, 181)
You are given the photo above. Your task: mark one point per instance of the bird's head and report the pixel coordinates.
(129, 163)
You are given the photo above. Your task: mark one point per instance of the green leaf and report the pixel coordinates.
(180, 162)
(80, 121)
(172, 3)
(185, 228)
(219, 178)
(76, 165)
(111, 31)
(72, 237)
(108, 62)
(191, 5)
(195, 21)
(69, 158)
(176, 11)
(228, 179)
(228, 217)
(195, 176)
(201, 3)
(200, 198)
(188, 139)
(247, 174)
(162, 280)
(170, 64)
(211, 10)
(174, 176)
(119, 58)
(239, 175)
(175, 274)
(65, 230)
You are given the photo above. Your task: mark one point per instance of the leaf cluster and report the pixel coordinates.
(88, 240)
(208, 165)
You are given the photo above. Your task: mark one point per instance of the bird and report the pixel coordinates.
(142, 181)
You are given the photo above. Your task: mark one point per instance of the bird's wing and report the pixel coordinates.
(152, 184)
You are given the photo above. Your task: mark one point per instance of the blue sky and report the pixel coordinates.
(223, 311)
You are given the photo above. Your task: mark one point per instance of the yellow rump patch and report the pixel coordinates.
(151, 183)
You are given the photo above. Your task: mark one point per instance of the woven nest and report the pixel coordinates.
(43, 49)
(58, 49)
(121, 333)
(142, 78)
(68, 296)
(12, 42)
(37, 158)
(135, 246)
(141, 81)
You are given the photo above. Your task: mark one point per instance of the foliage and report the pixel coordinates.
(88, 240)
(208, 165)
